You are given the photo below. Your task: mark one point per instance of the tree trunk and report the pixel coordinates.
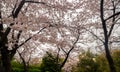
(5, 59)
(5, 55)
(109, 59)
(106, 36)
(25, 67)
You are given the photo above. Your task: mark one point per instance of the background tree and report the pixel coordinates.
(55, 24)
(11, 18)
(19, 17)
(107, 33)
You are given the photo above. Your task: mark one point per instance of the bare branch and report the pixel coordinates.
(63, 50)
(68, 53)
(114, 42)
(14, 7)
(113, 20)
(32, 36)
(58, 54)
(95, 35)
(112, 16)
(7, 31)
(13, 51)
(16, 11)
(104, 27)
(1, 23)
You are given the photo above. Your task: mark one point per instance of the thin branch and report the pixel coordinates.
(13, 51)
(113, 20)
(112, 16)
(68, 53)
(50, 55)
(1, 23)
(33, 36)
(14, 7)
(114, 42)
(8, 30)
(63, 50)
(16, 12)
(95, 35)
(30, 38)
(23, 60)
(58, 55)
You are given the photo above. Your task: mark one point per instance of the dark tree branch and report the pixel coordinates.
(32, 36)
(13, 51)
(23, 61)
(29, 58)
(50, 55)
(64, 51)
(1, 23)
(16, 11)
(95, 35)
(18, 36)
(102, 19)
(58, 55)
(13, 36)
(112, 16)
(113, 21)
(68, 53)
(114, 42)
(104, 27)
(14, 7)
(8, 30)
(16, 46)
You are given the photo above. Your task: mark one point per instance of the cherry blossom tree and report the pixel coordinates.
(14, 15)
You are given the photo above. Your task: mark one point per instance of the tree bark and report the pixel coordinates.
(5, 59)
(5, 56)
(109, 58)
(106, 39)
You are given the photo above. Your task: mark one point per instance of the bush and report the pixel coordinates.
(16, 64)
(87, 63)
(116, 58)
(49, 63)
(103, 64)
(34, 70)
(18, 70)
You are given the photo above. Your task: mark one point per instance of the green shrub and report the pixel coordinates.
(49, 63)
(34, 70)
(116, 58)
(103, 64)
(16, 64)
(87, 63)
(18, 70)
